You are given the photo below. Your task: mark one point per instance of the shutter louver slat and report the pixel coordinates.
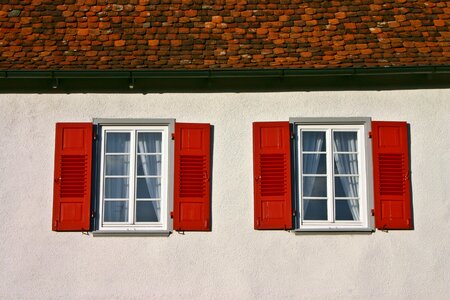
(192, 173)
(72, 188)
(273, 181)
(391, 175)
(272, 175)
(391, 168)
(73, 176)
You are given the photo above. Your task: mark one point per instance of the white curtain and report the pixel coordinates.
(117, 142)
(348, 164)
(312, 141)
(151, 166)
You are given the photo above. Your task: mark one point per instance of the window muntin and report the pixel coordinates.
(134, 175)
(332, 192)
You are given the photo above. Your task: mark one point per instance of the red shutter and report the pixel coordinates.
(272, 171)
(192, 190)
(72, 182)
(392, 186)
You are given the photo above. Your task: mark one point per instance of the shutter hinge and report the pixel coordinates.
(294, 213)
(292, 136)
(373, 212)
(171, 214)
(173, 136)
(95, 136)
(370, 134)
(92, 214)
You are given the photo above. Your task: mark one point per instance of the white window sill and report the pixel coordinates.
(334, 230)
(131, 233)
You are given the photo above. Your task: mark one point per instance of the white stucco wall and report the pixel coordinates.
(233, 261)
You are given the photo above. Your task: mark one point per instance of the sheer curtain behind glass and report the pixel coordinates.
(149, 158)
(117, 176)
(346, 174)
(314, 175)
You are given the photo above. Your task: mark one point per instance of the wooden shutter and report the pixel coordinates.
(192, 177)
(272, 175)
(392, 187)
(72, 182)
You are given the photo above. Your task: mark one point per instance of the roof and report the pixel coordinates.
(222, 34)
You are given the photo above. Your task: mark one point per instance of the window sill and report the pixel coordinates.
(334, 230)
(131, 233)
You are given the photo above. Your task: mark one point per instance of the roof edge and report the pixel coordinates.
(221, 73)
(230, 80)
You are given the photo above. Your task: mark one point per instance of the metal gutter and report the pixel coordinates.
(220, 80)
(220, 73)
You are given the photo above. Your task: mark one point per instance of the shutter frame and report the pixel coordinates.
(272, 175)
(192, 173)
(391, 168)
(72, 177)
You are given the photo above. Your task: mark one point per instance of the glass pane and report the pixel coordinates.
(149, 165)
(117, 142)
(116, 188)
(315, 209)
(314, 186)
(313, 141)
(347, 210)
(314, 163)
(148, 188)
(346, 164)
(149, 142)
(345, 141)
(346, 186)
(148, 211)
(116, 211)
(117, 164)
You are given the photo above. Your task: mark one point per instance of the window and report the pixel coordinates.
(335, 174)
(134, 174)
(332, 176)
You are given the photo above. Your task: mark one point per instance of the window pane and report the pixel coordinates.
(314, 186)
(149, 142)
(148, 165)
(315, 209)
(347, 210)
(313, 141)
(345, 141)
(116, 211)
(117, 164)
(148, 211)
(117, 142)
(346, 186)
(116, 188)
(314, 163)
(346, 164)
(148, 188)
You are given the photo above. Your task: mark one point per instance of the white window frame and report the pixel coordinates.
(362, 127)
(164, 226)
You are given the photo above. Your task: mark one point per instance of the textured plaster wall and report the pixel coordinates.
(233, 261)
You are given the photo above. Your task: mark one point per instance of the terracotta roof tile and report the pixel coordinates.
(212, 34)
